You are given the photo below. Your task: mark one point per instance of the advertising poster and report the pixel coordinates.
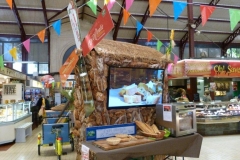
(73, 16)
(99, 30)
(167, 113)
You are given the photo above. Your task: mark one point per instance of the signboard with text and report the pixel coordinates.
(99, 30)
(206, 68)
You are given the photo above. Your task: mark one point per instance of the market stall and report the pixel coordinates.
(220, 78)
(115, 71)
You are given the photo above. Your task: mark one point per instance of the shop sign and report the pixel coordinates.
(11, 73)
(177, 70)
(225, 68)
(99, 30)
(198, 68)
(73, 16)
(85, 152)
(100, 132)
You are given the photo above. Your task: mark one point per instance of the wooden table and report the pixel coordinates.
(185, 146)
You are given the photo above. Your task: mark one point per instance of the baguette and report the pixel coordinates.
(142, 126)
(155, 128)
(151, 130)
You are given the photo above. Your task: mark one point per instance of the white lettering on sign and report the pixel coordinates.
(110, 132)
(11, 73)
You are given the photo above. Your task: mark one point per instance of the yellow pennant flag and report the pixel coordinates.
(58, 84)
(13, 53)
(106, 2)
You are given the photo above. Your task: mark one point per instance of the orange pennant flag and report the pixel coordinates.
(13, 53)
(153, 4)
(41, 35)
(149, 34)
(126, 14)
(9, 2)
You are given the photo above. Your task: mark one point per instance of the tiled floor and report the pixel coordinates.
(213, 148)
(29, 150)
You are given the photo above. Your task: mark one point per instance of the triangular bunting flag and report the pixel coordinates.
(169, 67)
(9, 2)
(1, 62)
(27, 44)
(206, 12)
(153, 4)
(63, 84)
(149, 36)
(128, 4)
(53, 84)
(13, 53)
(159, 45)
(139, 27)
(57, 26)
(106, 2)
(178, 8)
(175, 59)
(126, 14)
(234, 17)
(58, 84)
(110, 4)
(93, 5)
(41, 35)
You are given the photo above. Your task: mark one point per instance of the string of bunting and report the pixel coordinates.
(178, 8)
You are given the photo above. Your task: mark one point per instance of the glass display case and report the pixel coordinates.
(218, 118)
(13, 111)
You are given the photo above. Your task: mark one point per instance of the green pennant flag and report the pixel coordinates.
(1, 62)
(159, 45)
(93, 5)
(234, 17)
(53, 84)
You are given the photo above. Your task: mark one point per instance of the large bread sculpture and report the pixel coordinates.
(112, 53)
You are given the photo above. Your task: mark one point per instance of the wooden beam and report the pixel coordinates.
(144, 19)
(19, 22)
(118, 22)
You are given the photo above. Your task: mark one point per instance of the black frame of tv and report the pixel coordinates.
(131, 106)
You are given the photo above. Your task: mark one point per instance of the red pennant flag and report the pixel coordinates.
(41, 35)
(126, 14)
(149, 35)
(206, 12)
(9, 2)
(27, 44)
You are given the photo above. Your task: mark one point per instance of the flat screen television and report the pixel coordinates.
(134, 87)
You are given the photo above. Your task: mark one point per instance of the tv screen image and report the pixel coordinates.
(134, 87)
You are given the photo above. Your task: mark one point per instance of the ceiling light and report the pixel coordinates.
(193, 25)
(198, 33)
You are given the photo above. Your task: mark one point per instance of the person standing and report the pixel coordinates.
(207, 97)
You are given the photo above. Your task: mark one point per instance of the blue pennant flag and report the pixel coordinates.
(57, 26)
(178, 8)
(139, 27)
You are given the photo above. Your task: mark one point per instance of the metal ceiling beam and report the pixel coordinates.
(184, 40)
(144, 19)
(24, 23)
(44, 13)
(118, 22)
(19, 22)
(229, 40)
(61, 11)
(176, 30)
(31, 9)
(83, 10)
(172, 17)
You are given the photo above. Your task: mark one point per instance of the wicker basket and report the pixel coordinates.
(158, 136)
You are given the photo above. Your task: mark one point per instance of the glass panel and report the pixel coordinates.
(43, 68)
(186, 121)
(31, 68)
(201, 53)
(215, 52)
(17, 66)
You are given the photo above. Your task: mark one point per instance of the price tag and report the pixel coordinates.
(85, 152)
